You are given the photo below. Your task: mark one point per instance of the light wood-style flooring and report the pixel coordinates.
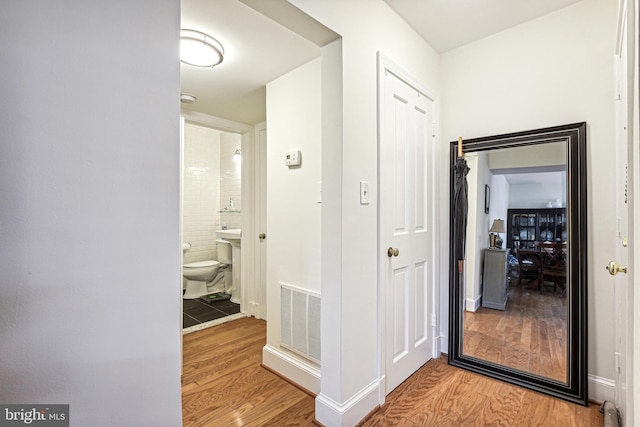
(529, 335)
(224, 384)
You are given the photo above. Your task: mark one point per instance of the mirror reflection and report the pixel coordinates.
(518, 261)
(515, 281)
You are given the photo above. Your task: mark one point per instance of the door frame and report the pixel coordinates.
(627, 92)
(386, 65)
(258, 301)
(247, 244)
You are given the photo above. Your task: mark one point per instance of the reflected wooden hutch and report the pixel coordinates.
(528, 226)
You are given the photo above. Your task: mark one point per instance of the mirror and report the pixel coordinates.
(518, 273)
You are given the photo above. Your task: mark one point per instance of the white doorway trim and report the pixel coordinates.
(386, 65)
(247, 245)
(257, 305)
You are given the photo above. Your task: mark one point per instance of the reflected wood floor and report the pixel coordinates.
(223, 385)
(530, 335)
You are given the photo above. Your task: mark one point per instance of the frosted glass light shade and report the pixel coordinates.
(199, 49)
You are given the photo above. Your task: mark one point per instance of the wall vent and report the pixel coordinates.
(300, 321)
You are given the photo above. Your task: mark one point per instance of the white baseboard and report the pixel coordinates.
(601, 389)
(443, 344)
(254, 309)
(331, 413)
(473, 304)
(301, 372)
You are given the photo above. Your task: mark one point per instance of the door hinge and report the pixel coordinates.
(433, 320)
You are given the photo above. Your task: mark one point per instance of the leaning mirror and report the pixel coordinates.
(518, 282)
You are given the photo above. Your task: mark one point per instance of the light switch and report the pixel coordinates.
(364, 192)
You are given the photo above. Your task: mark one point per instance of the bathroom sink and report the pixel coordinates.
(231, 234)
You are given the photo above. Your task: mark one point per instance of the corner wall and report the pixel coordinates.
(356, 385)
(554, 70)
(293, 208)
(90, 209)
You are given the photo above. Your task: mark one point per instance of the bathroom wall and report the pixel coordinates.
(211, 180)
(201, 191)
(230, 181)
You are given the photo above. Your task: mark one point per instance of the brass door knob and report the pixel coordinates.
(262, 236)
(392, 252)
(614, 268)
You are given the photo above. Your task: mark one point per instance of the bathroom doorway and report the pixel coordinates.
(212, 205)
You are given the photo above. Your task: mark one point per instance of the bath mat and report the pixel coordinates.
(216, 296)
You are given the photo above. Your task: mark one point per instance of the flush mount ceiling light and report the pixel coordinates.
(199, 49)
(187, 98)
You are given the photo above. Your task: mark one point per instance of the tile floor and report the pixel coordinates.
(196, 311)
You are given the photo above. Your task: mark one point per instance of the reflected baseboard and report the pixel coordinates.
(442, 344)
(601, 389)
(473, 304)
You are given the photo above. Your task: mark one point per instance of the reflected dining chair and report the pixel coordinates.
(554, 264)
(528, 265)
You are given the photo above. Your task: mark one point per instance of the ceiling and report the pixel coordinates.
(264, 39)
(540, 178)
(257, 51)
(448, 24)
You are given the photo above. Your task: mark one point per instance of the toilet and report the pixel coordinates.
(198, 275)
(201, 276)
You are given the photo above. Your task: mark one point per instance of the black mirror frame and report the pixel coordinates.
(575, 389)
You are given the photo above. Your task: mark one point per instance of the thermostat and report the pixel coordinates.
(293, 158)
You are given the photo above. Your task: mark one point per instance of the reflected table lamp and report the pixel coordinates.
(495, 241)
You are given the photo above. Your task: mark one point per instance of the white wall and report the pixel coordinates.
(293, 211)
(230, 186)
(500, 202)
(554, 70)
(366, 27)
(551, 156)
(524, 196)
(89, 209)
(477, 227)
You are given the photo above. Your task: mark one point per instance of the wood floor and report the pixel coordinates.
(223, 385)
(530, 335)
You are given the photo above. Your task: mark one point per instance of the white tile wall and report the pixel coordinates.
(211, 179)
(230, 181)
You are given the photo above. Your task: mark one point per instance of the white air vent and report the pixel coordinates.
(300, 321)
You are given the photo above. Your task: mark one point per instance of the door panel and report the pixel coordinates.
(420, 303)
(406, 209)
(400, 314)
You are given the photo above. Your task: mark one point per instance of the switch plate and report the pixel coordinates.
(364, 192)
(293, 158)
